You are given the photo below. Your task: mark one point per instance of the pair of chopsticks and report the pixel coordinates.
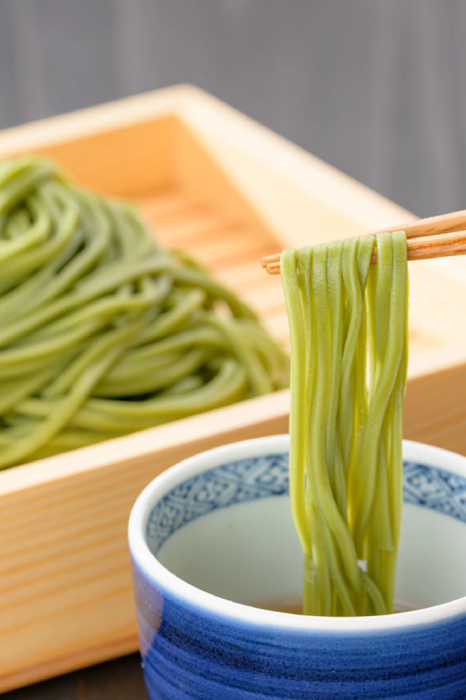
(435, 237)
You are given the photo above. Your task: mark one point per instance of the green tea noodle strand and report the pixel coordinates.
(102, 332)
(299, 412)
(348, 329)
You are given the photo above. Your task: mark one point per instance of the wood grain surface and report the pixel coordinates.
(115, 680)
(57, 611)
(229, 191)
(372, 86)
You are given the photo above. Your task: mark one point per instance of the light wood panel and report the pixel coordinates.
(124, 161)
(229, 192)
(65, 585)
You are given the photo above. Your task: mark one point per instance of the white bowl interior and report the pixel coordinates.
(249, 552)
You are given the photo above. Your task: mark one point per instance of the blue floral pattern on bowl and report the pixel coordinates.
(267, 476)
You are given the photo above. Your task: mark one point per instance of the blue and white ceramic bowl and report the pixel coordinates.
(213, 537)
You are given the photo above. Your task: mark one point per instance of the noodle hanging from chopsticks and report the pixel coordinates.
(348, 327)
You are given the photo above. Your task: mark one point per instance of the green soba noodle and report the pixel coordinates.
(348, 326)
(102, 332)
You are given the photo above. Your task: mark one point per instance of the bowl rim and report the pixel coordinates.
(195, 597)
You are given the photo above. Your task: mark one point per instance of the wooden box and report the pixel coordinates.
(221, 186)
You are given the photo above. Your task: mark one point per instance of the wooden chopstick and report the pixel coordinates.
(435, 237)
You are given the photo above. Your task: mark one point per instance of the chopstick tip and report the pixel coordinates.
(273, 268)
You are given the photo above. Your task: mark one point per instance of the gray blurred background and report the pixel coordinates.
(375, 87)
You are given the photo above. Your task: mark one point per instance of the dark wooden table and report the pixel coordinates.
(115, 680)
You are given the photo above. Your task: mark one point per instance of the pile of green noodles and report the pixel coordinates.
(103, 333)
(348, 325)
